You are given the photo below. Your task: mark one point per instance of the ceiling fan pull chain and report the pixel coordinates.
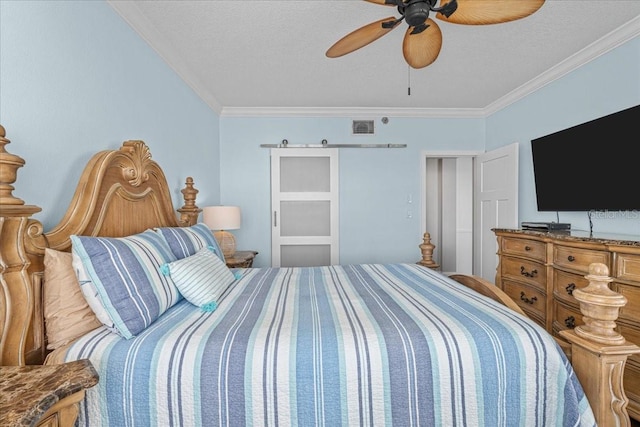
(408, 81)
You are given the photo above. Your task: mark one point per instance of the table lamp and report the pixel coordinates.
(220, 219)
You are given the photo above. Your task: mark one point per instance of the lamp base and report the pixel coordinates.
(227, 243)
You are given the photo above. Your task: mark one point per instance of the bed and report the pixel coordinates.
(367, 344)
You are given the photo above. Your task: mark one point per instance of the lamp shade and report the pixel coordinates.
(221, 217)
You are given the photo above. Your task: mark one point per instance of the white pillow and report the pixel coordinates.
(201, 278)
(91, 293)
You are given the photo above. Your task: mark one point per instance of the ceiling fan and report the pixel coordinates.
(423, 39)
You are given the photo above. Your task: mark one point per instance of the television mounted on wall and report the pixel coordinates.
(590, 167)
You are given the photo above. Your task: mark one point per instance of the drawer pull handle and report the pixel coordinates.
(571, 258)
(570, 322)
(570, 288)
(527, 248)
(526, 273)
(524, 298)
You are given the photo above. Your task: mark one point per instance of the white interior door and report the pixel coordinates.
(496, 205)
(305, 211)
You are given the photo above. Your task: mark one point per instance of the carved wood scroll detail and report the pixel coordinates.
(139, 155)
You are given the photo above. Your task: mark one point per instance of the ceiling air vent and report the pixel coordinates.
(363, 127)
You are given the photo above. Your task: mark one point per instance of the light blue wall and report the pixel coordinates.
(374, 183)
(75, 79)
(607, 84)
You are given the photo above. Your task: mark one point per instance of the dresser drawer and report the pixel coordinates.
(632, 309)
(523, 247)
(565, 316)
(577, 258)
(631, 334)
(565, 283)
(524, 270)
(628, 267)
(530, 298)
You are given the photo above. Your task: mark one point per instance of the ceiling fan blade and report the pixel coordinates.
(422, 49)
(361, 37)
(384, 2)
(484, 12)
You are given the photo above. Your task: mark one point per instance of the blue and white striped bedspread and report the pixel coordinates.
(348, 345)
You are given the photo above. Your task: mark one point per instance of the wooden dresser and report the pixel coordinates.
(540, 271)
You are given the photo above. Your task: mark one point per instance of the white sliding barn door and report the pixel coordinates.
(496, 206)
(304, 207)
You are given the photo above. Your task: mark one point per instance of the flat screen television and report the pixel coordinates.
(590, 167)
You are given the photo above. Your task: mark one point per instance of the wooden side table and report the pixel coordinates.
(44, 395)
(241, 259)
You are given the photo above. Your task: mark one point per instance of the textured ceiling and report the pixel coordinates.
(265, 56)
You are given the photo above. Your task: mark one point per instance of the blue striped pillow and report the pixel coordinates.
(201, 278)
(186, 241)
(125, 275)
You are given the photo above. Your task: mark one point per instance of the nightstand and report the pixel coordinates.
(44, 395)
(241, 259)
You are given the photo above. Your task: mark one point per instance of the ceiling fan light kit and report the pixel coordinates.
(423, 38)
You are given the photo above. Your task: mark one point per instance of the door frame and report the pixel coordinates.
(479, 225)
(424, 155)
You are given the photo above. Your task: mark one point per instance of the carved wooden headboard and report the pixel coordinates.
(120, 192)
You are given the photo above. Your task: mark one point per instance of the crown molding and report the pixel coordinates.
(131, 14)
(351, 112)
(619, 36)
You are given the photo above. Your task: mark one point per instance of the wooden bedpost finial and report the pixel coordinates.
(600, 306)
(598, 353)
(189, 211)
(427, 252)
(9, 165)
